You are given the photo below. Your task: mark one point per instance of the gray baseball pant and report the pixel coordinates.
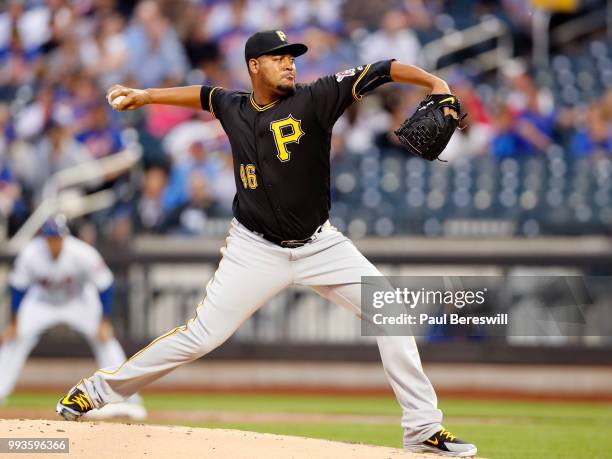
(251, 271)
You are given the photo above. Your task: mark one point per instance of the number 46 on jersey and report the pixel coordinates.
(248, 177)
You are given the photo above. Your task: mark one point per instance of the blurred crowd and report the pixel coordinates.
(58, 57)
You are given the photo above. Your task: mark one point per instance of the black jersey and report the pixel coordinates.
(281, 150)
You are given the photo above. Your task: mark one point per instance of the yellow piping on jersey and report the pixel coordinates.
(259, 108)
(355, 95)
(210, 105)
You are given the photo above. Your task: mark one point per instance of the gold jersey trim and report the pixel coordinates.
(210, 104)
(355, 95)
(260, 108)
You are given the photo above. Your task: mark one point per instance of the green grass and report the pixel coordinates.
(281, 403)
(501, 429)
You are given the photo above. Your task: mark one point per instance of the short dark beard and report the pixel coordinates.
(286, 90)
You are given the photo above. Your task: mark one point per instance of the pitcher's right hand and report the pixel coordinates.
(122, 98)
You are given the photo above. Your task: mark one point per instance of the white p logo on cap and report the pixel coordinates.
(281, 35)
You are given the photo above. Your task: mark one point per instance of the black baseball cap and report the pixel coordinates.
(271, 42)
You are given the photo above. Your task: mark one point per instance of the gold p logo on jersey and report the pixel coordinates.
(286, 131)
(281, 35)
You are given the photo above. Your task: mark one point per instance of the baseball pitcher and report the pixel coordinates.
(59, 279)
(280, 134)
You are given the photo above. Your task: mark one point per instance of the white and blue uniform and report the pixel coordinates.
(74, 289)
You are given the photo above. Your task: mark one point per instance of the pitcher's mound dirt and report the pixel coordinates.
(112, 440)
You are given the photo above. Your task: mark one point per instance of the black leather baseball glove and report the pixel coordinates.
(427, 132)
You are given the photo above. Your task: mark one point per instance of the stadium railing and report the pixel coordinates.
(491, 29)
(61, 193)
(160, 280)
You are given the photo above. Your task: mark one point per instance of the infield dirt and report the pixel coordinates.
(94, 440)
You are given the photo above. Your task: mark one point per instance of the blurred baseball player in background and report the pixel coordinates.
(280, 135)
(59, 279)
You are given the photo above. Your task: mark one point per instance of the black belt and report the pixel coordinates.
(294, 243)
(291, 243)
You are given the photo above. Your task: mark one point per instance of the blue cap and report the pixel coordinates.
(55, 226)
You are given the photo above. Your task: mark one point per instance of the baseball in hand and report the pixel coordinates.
(117, 101)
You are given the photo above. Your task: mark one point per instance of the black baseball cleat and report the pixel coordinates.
(444, 443)
(74, 405)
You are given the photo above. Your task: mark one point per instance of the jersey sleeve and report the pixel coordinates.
(334, 93)
(20, 277)
(212, 100)
(95, 269)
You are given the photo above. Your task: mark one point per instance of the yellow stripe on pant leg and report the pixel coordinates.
(170, 333)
